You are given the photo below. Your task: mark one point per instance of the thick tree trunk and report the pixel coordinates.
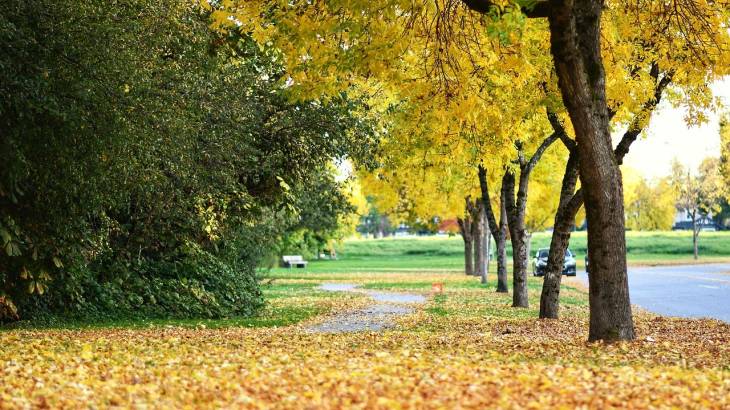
(518, 237)
(564, 220)
(478, 229)
(575, 45)
(466, 232)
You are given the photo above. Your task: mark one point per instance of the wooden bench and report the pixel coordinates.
(294, 260)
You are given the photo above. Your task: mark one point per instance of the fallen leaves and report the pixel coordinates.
(459, 360)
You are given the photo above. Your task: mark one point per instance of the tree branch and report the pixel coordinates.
(560, 131)
(520, 155)
(538, 153)
(483, 185)
(638, 123)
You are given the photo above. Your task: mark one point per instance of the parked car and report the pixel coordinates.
(540, 262)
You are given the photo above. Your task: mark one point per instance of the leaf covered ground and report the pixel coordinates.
(465, 348)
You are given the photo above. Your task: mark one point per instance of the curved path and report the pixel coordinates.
(380, 315)
(701, 290)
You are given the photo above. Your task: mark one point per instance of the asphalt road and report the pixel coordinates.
(686, 291)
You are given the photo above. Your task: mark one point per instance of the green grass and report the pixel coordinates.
(275, 317)
(377, 264)
(447, 253)
(278, 315)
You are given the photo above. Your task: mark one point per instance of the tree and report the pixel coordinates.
(413, 183)
(336, 43)
(498, 228)
(148, 165)
(649, 205)
(575, 46)
(515, 208)
(697, 195)
(472, 229)
(467, 230)
(644, 61)
(320, 205)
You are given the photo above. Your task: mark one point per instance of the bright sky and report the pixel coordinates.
(669, 137)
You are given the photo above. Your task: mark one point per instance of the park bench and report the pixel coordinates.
(294, 260)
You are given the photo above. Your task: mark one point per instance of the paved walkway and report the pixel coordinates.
(380, 315)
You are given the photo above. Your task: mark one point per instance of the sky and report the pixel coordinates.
(668, 137)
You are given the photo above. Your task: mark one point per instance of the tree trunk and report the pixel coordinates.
(575, 44)
(571, 202)
(477, 243)
(468, 261)
(518, 237)
(502, 248)
(466, 234)
(478, 235)
(516, 209)
(695, 236)
(568, 207)
(488, 255)
(498, 229)
(519, 269)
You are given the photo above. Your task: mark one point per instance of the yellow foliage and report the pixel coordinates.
(650, 206)
(457, 89)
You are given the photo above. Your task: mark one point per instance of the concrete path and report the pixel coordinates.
(380, 315)
(685, 291)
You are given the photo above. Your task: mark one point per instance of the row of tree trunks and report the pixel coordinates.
(575, 44)
(473, 230)
(516, 207)
(480, 239)
(497, 229)
(488, 240)
(465, 230)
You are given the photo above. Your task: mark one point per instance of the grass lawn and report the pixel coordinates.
(465, 348)
(447, 253)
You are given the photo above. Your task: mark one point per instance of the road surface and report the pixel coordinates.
(686, 291)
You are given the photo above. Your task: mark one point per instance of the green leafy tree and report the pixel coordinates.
(149, 163)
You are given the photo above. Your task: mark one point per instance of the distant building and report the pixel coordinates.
(683, 221)
(402, 231)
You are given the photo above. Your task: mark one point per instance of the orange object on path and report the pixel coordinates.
(437, 287)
